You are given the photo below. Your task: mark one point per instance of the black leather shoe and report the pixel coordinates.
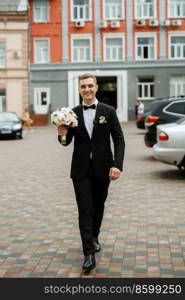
(97, 246)
(89, 262)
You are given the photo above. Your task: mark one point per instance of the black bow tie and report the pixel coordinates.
(93, 106)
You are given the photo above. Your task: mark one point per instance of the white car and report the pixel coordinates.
(170, 147)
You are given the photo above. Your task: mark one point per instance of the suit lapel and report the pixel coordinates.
(99, 113)
(81, 122)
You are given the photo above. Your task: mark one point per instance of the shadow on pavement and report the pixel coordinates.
(148, 158)
(170, 174)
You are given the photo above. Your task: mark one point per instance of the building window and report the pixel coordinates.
(176, 8)
(81, 49)
(2, 55)
(41, 51)
(177, 47)
(81, 9)
(145, 88)
(145, 9)
(41, 11)
(145, 48)
(113, 49)
(113, 9)
(177, 85)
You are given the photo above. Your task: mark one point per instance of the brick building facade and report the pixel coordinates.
(136, 48)
(14, 83)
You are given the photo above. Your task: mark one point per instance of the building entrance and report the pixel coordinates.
(107, 90)
(112, 89)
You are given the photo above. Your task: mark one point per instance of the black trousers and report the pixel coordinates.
(91, 194)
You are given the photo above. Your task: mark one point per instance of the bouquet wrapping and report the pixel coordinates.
(64, 116)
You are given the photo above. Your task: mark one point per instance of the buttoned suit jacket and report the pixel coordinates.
(98, 146)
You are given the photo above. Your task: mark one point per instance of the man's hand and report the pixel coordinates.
(114, 173)
(62, 130)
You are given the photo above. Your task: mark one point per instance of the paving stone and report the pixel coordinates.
(143, 230)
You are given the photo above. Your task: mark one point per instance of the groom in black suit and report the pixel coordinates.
(93, 164)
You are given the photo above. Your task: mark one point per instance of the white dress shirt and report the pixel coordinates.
(89, 115)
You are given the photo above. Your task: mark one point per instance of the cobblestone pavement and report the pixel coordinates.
(143, 232)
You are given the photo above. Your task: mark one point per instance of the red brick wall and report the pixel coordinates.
(51, 30)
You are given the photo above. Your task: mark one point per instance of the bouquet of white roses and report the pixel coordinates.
(64, 116)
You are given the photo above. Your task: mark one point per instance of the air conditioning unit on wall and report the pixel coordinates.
(79, 23)
(165, 23)
(102, 24)
(176, 22)
(140, 23)
(115, 24)
(153, 23)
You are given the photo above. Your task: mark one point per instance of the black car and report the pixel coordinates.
(10, 125)
(163, 111)
(140, 120)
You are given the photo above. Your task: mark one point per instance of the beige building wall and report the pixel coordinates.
(14, 77)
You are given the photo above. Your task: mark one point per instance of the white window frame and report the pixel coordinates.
(42, 8)
(37, 93)
(178, 80)
(146, 17)
(81, 37)
(113, 18)
(174, 10)
(41, 39)
(23, 5)
(174, 34)
(145, 35)
(82, 19)
(113, 36)
(143, 84)
(3, 56)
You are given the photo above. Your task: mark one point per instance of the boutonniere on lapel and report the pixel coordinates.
(102, 120)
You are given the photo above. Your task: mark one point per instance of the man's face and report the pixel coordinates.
(88, 89)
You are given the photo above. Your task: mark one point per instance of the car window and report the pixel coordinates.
(176, 107)
(181, 121)
(6, 117)
(157, 106)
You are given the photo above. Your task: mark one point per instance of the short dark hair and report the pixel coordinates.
(87, 75)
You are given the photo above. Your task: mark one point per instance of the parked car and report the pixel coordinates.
(140, 121)
(170, 147)
(10, 125)
(163, 111)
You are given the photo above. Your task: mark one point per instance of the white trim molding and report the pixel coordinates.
(145, 17)
(41, 39)
(114, 36)
(174, 34)
(41, 7)
(145, 35)
(173, 7)
(82, 37)
(177, 85)
(38, 108)
(122, 94)
(122, 17)
(81, 19)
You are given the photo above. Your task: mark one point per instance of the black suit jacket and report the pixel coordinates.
(98, 145)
